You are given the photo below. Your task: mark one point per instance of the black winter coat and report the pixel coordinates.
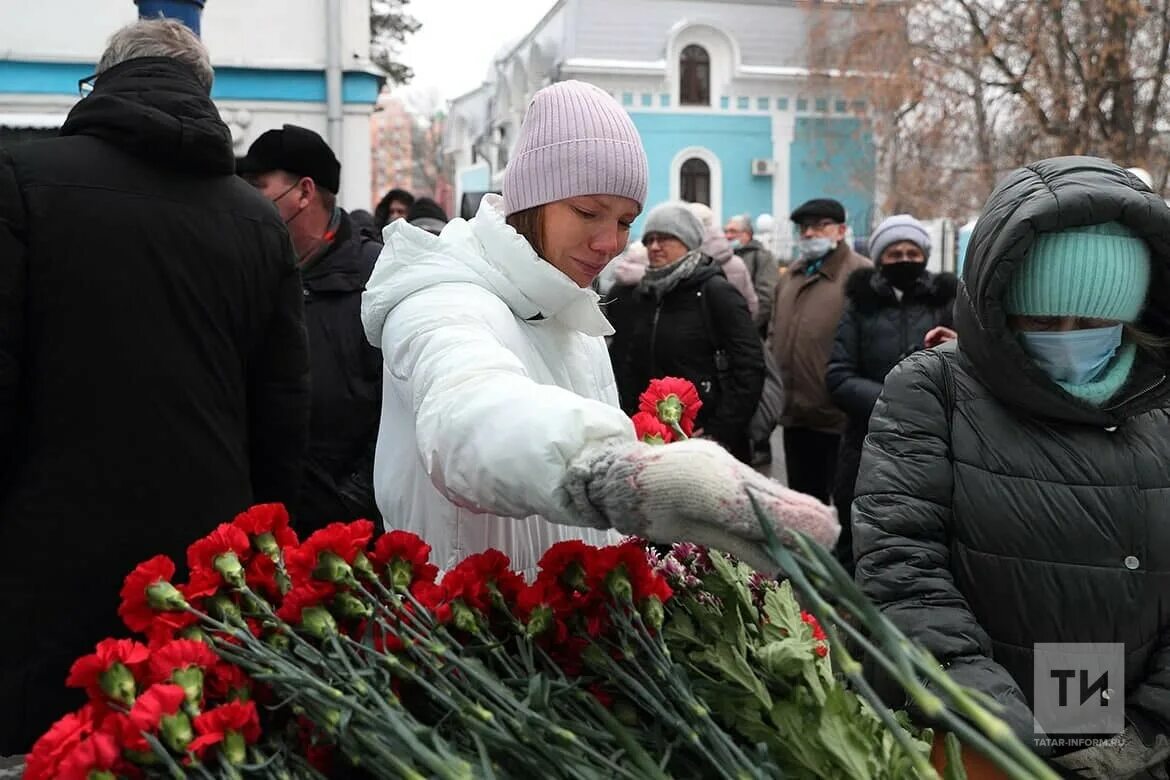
(671, 337)
(1006, 512)
(347, 386)
(153, 367)
(877, 331)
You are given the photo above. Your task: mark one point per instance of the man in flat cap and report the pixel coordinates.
(295, 169)
(809, 302)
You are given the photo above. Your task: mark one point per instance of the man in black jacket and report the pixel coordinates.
(295, 169)
(153, 368)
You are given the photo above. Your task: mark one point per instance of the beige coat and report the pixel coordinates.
(804, 324)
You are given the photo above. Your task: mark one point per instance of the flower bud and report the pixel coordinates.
(401, 573)
(619, 586)
(539, 621)
(283, 582)
(332, 568)
(653, 613)
(463, 618)
(165, 597)
(349, 607)
(117, 682)
(361, 565)
(277, 641)
(234, 748)
(266, 543)
(176, 732)
(191, 681)
(228, 566)
(225, 610)
(318, 623)
(670, 410)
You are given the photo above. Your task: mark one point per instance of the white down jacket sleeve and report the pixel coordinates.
(494, 438)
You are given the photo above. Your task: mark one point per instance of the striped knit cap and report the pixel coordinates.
(575, 140)
(1099, 271)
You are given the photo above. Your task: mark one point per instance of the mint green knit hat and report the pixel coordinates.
(1099, 271)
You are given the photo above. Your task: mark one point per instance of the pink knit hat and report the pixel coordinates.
(575, 140)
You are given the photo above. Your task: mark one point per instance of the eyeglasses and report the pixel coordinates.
(820, 224)
(85, 85)
(656, 238)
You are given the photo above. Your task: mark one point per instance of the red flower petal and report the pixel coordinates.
(44, 760)
(87, 670)
(226, 538)
(180, 654)
(215, 724)
(683, 389)
(98, 753)
(649, 429)
(134, 610)
(267, 519)
(408, 547)
(344, 540)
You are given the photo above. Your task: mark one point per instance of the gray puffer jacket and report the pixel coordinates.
(1013, 513)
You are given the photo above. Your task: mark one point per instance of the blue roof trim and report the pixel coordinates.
(231, 83)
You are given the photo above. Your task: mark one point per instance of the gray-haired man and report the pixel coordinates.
(153, 367)
(761, 264)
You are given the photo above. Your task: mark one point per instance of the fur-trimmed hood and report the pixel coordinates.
(869, 291)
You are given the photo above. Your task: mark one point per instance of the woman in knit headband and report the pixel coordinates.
(1015, 487)
(500, 420)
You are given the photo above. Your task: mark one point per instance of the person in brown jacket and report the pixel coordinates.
(809, 302)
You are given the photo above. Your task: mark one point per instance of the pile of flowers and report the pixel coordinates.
(347, 654)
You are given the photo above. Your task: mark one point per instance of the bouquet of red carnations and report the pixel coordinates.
(347, 654)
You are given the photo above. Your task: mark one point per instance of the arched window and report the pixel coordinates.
(695, 184)
(694, 70)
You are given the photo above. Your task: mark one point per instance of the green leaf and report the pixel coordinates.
(786, 658)
(842, 738)
(679, 629)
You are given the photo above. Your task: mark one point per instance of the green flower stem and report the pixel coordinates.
(637, 754)
(903, 660)
(960, 699)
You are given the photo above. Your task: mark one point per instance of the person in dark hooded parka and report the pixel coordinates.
(1015, 485)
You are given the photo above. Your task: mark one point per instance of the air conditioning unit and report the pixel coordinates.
(763, 167)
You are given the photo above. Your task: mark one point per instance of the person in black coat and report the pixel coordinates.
(685, 319)
(1014, 490)
(297, 170)
(153, 366)
(892, 311)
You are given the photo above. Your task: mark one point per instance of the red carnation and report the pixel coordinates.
(158, 703)
(99, 753)
(271, 519)
(227, 682)
(568, 563)
(673, 401)
(44, 760)
(626, 565)
(260, 574)
(402, 555)
(308, 594)
(180, 654)
(475, 577)
(543, 607)
(147, 592)
(335, 541)
(112, 670)
(818, 633)
(218, 727)
(649, 429)
(433, 599)
(224, 551)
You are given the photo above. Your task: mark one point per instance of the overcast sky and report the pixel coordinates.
(452, 49)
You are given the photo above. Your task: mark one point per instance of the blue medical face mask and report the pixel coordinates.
(1074, 357)
(815, 248)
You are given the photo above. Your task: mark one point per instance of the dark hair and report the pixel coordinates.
(529, 223)
(382, 210)
(425, 208)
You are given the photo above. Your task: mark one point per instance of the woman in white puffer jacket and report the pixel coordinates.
(500, 425)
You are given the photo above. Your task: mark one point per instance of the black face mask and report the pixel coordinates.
(902, 275)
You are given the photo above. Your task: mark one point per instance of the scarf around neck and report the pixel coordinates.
(660, 281)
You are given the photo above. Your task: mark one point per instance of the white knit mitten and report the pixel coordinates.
(692, 491)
